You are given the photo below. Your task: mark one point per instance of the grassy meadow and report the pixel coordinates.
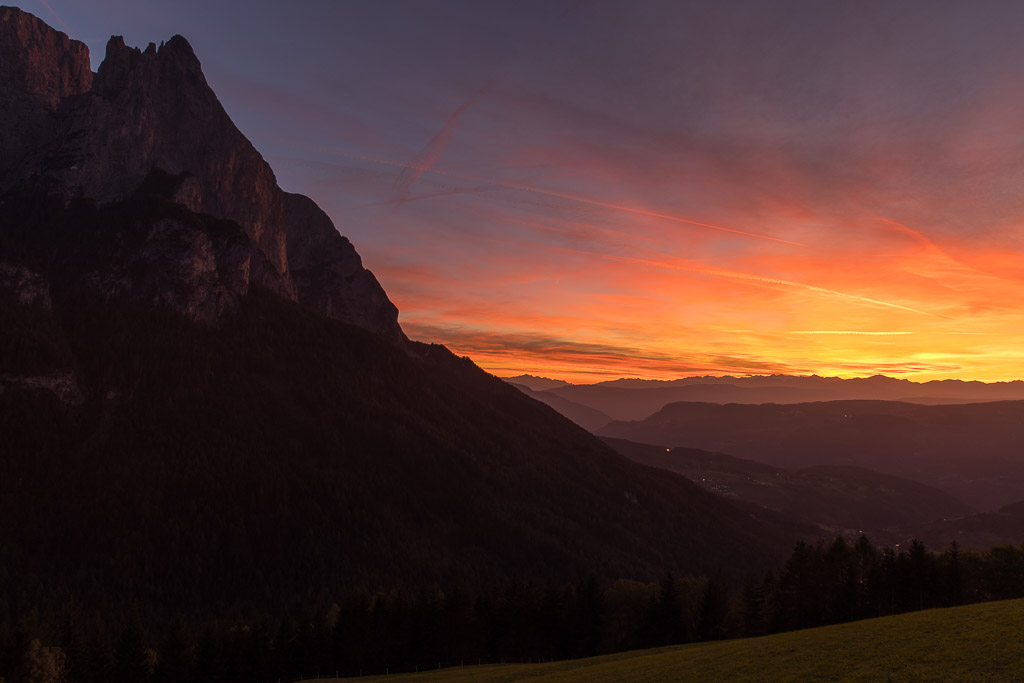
(972, 643)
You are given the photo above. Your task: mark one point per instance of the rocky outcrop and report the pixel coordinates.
(64, 385)
(154, 110)
(151, 111)
(328, 273)
(39, 67)
(186, 265)
(23, 286)
(38, 62)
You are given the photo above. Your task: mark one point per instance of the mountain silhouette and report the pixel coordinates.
(971, 451)
(635, 399)
(208, 405)
(841, 500)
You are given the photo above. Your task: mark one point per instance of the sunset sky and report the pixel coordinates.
(589, 190)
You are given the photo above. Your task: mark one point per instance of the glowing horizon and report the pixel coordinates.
(901, 305)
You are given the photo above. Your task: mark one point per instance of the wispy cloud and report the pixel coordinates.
(861, 332)
(427, 166)
(751, 277)
(430, 154)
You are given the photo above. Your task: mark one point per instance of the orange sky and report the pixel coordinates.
(608, 189)
(837, 191)
(602, 300)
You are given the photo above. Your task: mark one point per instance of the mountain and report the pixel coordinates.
(876, 387)
(978, 532)
(635, 399)
(585, 417)
(627, 403)
(208, 405)
(282, 452)
(971, 451)
(840, 500)
(535, 383)
(149, 118)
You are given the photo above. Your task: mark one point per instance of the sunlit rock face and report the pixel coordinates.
(153, 109)
(102, 136)
(38, 68)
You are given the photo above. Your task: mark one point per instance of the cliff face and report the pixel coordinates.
(328, 274)
(154, 109)
(73, 134)
(38, 68)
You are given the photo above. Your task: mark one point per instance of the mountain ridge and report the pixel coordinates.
(840, 499)
(971, 451)
(102, 137)
(188, 425)
(636, 399)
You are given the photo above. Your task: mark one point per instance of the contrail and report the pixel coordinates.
(430, 154)
(704, 269)
(721, 272)
(935, 248)
(444, 192)
(60, 21)
(860, 332)
(425, 168)
(711, 270)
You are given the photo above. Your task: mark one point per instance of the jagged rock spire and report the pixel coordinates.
(70, 133)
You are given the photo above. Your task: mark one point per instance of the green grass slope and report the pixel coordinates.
(972, 643)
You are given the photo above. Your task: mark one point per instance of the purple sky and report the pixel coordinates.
(543, 185)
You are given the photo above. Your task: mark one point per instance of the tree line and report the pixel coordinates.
(822, 583)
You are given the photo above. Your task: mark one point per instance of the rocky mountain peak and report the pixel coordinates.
(69, 133)
(174, 64)
(39, 62)
(38, 68)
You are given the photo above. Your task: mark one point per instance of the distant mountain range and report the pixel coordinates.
(841, 500)
(635, 399)
(974, 452)
(889, 456)
(980, 531)
(536, 383)
(585, 416)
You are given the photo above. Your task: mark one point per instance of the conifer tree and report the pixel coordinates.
(131, 659)
(954, 575)
(211, 664)
(176, 655)
(41, 664)
(714, 610)
(753, 607)
(669, 624)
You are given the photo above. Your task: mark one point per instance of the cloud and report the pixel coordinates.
(576, 360)
(705, 269)
(861, 332)
(430, 154)
(418, 166)
(60, 21)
